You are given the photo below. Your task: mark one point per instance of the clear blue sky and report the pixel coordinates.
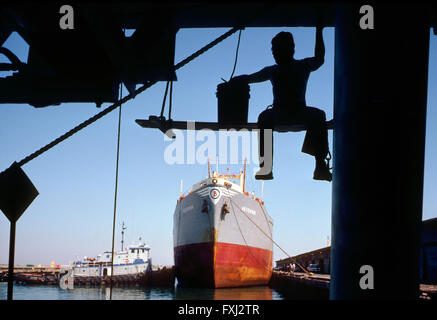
(73, 213)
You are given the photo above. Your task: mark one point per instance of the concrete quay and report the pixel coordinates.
(302, 286)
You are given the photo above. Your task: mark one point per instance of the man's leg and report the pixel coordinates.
(266, 121)
(316, 141)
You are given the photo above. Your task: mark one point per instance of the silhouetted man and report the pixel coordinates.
(289, 79)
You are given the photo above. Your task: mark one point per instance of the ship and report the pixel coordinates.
(128, 266)
(222, 235)
(135, 260)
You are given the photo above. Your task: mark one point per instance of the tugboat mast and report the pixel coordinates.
(122, 236)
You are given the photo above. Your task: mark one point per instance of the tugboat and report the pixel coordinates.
(130, 267)
(222, 235)
(134, 260)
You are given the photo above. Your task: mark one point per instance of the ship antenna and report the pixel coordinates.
(217, 164)
(209, 169)
(181, 187)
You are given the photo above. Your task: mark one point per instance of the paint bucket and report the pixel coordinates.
(233, 102)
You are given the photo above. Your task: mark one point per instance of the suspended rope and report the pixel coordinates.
(115, 193)
(138, 91)
(170, 100)
(169, 83)
(236, 55)
(163, 101)
(271, 239)
(263, 264)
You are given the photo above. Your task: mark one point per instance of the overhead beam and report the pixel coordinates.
(5, 28)
(215, 126)
(204, 14)
(109, 35)
(282, 15)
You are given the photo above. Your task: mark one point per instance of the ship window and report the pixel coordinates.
(132, 251)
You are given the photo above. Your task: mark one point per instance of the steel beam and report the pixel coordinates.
(380, 78)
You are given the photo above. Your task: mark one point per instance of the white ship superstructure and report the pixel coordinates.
(136, 259)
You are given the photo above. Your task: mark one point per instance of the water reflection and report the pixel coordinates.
(249, 293)
(41, 292)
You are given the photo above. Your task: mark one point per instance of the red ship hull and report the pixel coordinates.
(222, 265)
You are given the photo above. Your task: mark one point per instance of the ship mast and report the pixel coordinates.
(123, 227)
(262, 190)
(244, 175)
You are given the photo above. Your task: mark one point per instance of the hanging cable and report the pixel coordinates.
(264, 264)
(268, 236)
(170, 100)
(236, 55)
(169, 83)
(115, 193)
(163, 100)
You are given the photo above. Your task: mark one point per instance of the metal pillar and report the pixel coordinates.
(11, 261)
(379, 139)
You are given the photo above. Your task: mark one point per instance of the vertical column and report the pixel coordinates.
(11, 261)
(379, 139)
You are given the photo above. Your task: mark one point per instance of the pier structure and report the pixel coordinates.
(320, 257)
(427, 261)
(302, 286)
(428, 252)
(380, 94)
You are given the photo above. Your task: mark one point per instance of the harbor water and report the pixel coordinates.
(45, 292)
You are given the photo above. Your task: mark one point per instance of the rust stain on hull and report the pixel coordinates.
(222, 265)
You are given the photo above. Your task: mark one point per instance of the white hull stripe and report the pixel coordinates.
(205, 191)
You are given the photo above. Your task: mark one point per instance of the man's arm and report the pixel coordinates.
(260, 76)
(319, 50)
(316, 62)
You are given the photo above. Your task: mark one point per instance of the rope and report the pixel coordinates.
(170, 100)
(84, 124)
(165, 98)
(115, 195)
(274, 242)
(265, 266)
(265, 216)
(236, 55)
(163, 101)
